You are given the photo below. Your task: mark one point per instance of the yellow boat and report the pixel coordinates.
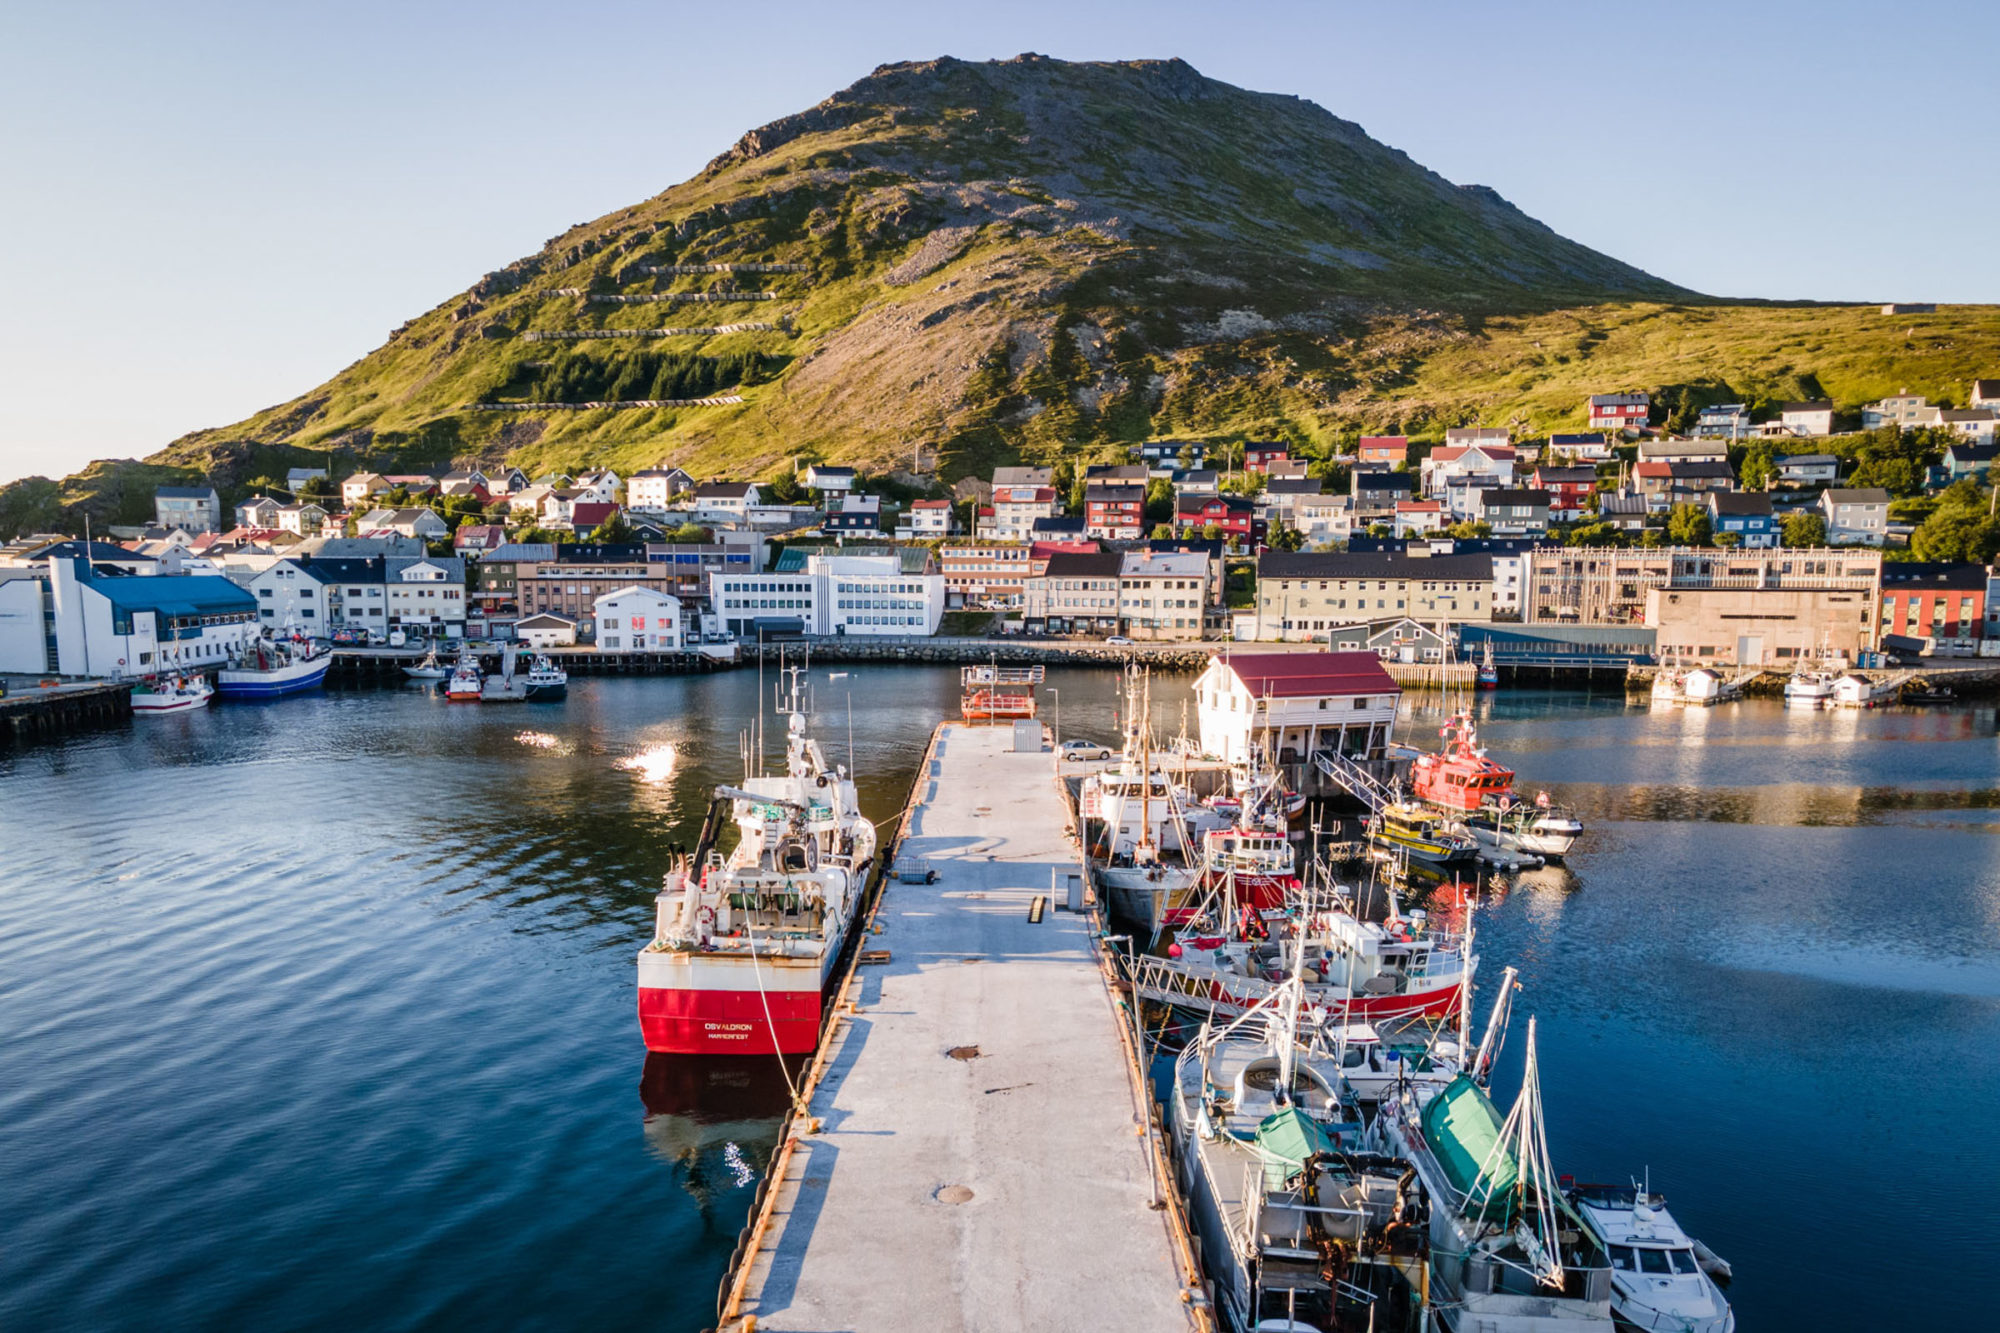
(1422, 832)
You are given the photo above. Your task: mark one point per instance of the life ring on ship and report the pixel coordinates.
(121, 661)
(706, 917)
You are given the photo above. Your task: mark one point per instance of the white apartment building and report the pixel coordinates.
(833, 595)
(291, 596)
(636, 619)
(426, 595)
(1161, 593)
(1015, 509)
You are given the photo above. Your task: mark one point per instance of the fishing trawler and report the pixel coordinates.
(1661, 1277)
(1421, 833)
(174, 693)
(1488, 675)
(1300, 1229)
(466, 682)
(744, 946)
(1223, 964)
(1508, 1253)
(1147, 850)
(545, 681)
(272, 668)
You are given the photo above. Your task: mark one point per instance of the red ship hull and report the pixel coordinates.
(719, 1022)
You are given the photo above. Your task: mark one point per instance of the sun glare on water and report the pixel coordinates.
(538, 740)
(652, 765)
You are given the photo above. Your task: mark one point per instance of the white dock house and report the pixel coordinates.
(1288, 705)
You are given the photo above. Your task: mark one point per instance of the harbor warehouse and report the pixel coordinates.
(1288, 705)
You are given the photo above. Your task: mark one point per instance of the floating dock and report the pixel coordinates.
(974, 1152)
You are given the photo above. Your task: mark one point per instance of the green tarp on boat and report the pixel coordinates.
(1287, 1138)
(1463, 1127)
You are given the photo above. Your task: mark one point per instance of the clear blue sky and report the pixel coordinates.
(211, 208)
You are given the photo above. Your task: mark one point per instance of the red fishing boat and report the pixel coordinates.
(744, 946)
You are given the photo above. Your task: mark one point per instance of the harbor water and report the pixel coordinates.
(319, 1014)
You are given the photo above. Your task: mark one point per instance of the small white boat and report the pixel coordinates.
(465, 682)
(171, 694)
(1659, 1278)
(428, 669)
(1810, 689)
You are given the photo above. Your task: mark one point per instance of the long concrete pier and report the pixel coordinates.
(973, 1155)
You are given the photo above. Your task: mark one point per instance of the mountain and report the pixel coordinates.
(989, 261)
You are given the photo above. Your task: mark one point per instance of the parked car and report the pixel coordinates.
(1119, 641)
(1074, 751)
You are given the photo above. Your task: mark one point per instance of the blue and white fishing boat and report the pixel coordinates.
(545, 680)
(273, 668)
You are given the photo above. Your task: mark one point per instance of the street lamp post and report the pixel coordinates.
(1058, 694)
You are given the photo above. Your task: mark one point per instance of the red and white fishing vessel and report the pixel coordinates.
(1354, 970)
(744, 947)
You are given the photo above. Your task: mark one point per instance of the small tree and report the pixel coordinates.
(1211, 532)
(613, 529)
(1284, 537)
(1163, 532)
(1688, 525)
(1804, 528)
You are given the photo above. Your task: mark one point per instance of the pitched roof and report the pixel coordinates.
(1742, 504)
(1385, 442)
(545, 620)
(1308, 675)
(589, 515)
(185, 492)
(1083, 565)
(717, 490)
(1384, 481)
(1856, 495)
(1821, 406)
(1512, 495)
(1565, 475)
(1061, 523)
(1967, 414)
(1370, 565)
(1805, 460)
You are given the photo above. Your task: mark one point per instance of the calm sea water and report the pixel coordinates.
(319, 1014)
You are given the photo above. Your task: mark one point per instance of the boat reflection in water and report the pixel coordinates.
(717, 1117)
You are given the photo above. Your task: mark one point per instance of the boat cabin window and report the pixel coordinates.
(1655, 1261)
(1621, 1258)
(1684, 1261)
